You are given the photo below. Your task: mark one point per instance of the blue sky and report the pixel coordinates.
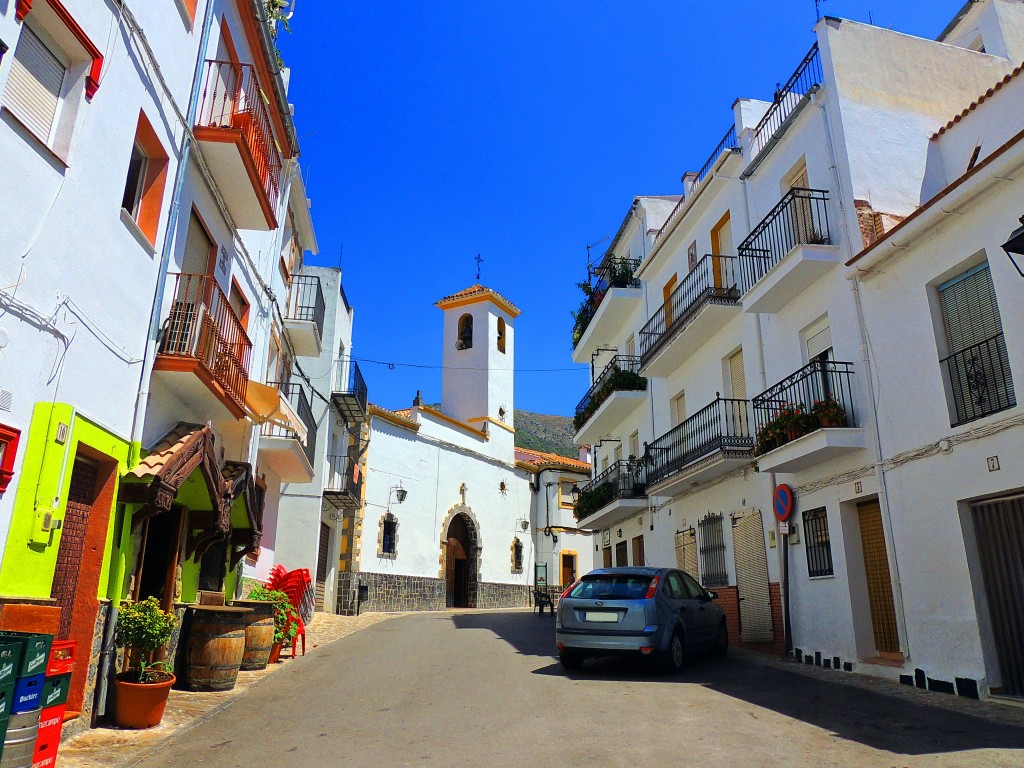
(521, 131)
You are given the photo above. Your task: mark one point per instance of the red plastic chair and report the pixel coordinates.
(298, 585)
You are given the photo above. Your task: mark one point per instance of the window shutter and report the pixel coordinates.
(819, 343)
(969, 310)
(197, 249)
(34, 84)
(737, 382)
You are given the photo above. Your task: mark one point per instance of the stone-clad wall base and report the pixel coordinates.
(389, 592)
(504, 596)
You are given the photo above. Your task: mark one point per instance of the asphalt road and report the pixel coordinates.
(485, 689)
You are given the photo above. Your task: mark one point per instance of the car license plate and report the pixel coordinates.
(606, 616)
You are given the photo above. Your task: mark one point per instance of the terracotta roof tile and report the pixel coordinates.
(164, 450)
(981, 100)
(539, 458)
(475, 291)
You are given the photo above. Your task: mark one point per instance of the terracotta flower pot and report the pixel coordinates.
(140, 705)
(275, 653)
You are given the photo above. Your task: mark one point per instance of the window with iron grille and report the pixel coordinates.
(977, 368)
(817, 543)
(713, 569)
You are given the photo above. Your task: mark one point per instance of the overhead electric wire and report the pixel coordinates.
(393, 365)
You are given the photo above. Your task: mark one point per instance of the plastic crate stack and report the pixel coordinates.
(54, 702)
(35, 677)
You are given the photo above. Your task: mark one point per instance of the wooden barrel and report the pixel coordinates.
(216, 644)
(20, 741)
(259, 633)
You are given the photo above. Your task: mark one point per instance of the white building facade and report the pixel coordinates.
(748, 342)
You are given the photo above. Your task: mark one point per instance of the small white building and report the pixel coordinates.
(940, 300)
(455, 515)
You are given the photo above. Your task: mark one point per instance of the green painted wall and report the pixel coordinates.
(30, 554)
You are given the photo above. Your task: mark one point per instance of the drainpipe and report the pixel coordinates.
(883, 496)
(145, 377)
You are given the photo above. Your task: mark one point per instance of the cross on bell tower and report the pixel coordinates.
(478, 261)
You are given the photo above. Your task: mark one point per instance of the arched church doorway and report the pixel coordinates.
(460, 563)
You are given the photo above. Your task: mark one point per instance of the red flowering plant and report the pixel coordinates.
(829, 412)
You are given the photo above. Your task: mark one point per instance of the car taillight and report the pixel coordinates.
(652, 588)
(570, 588)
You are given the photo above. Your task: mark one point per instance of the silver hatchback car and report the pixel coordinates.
(659, 612)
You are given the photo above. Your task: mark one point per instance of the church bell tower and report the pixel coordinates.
(478, 356)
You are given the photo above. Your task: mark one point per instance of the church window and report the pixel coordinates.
(517, 555)
(501, 335)
(465, 340)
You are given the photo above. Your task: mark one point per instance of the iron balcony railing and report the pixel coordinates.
(232, 98)
(724, 425)
(625, 479)
(725, 145)
(350, 388)
(203, 326)
(787, 98)
(818, 395)
(343, 475)
(295, 394)
(711, 281)
(800, 218)
(614, 272)
(307, 301)
(622, 374)
(979, 380)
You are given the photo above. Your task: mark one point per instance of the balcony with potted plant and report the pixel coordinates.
(616, 392)
(608, 298)
(807, 418)
(615, 494)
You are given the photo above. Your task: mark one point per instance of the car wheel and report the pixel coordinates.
(672, 661)
(570, 660)
(721, 646)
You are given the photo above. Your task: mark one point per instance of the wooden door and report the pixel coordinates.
(568, 569)
(686, 552)
(606, 556)
(876, 568)
(638, 551)
(721, 245)
(621, 554)
(666, 295)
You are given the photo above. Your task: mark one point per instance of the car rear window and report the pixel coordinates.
(621, 587)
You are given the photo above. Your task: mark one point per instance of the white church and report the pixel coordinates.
(454, 515)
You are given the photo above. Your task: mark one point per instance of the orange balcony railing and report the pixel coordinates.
(232, 99)
(203, 327)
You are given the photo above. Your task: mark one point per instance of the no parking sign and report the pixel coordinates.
(782, 502)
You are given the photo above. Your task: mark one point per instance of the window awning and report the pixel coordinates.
(265, 404)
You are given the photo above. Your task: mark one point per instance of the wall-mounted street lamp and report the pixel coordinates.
(399, 493)
(575, 493)
(1014, 247)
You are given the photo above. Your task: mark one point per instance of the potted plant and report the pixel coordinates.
(794, 421)
(829, 412)
(140, 693)
(286, 618)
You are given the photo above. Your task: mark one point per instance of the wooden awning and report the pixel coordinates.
(155, 482)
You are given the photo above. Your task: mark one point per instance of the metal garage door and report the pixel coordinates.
(752, 579)
(322, 561)
(1000, 529)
